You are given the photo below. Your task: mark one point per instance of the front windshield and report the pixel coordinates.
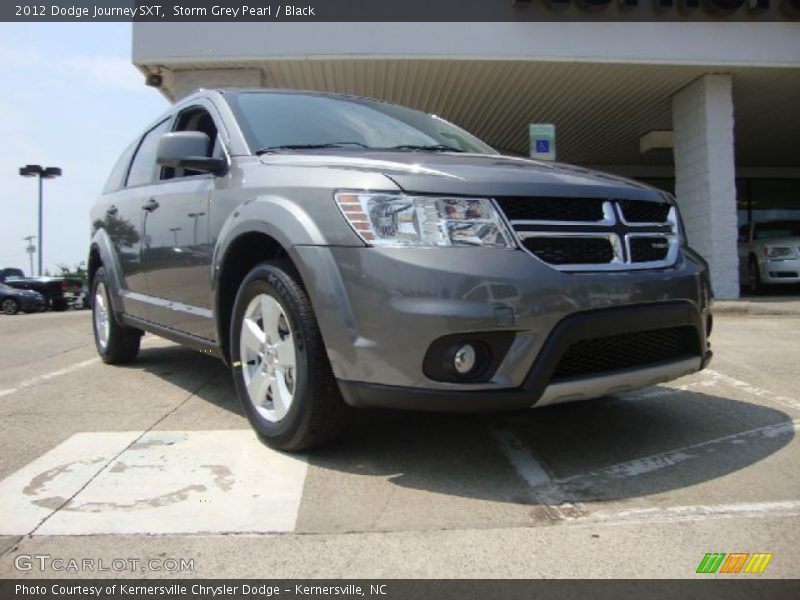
(274, 121)
(776, 229)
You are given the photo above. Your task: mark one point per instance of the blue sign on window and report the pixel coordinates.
(543, 146)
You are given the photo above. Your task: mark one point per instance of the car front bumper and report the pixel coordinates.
(780, 271)
(28, 304)
(380, 310)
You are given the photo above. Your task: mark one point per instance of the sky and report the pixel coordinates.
(69, 98)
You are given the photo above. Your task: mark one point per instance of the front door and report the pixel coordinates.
(177, 255)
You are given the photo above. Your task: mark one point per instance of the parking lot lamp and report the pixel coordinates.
(41, 173)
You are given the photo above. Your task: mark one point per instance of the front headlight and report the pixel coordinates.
(679, 226)
(778, 252)
(384, 219)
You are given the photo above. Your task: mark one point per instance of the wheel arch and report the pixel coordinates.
(102, 254)
(265, 227)
(242, 254)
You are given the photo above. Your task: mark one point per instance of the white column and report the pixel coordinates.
(705, 185)
(180, 83)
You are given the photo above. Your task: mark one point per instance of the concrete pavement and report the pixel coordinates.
(155, 461)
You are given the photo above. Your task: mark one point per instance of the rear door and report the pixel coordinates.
(125, 221)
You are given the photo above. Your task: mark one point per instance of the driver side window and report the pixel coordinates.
(195, 119)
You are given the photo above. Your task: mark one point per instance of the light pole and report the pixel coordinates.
(42, 173)
(175, 231)
(195, 216)
(30, 249)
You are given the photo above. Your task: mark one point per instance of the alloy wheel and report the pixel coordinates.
(9, 306)
(102, 326)
(267, 354)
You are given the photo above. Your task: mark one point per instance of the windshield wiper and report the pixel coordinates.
(269, 149)
(430, 148)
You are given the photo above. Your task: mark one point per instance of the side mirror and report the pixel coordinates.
(187, 150)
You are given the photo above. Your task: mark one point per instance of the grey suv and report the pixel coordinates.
(343, 252)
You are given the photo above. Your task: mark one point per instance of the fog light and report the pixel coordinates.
(464, 360)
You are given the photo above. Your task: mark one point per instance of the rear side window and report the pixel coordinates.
(117, 178)
(143, 169)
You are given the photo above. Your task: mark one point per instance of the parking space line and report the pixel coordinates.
(716, 377)
(48, 376)
(658, 392)
(533, 471)
(674, 514)
(670, 458)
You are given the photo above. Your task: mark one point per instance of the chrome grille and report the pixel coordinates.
(641, 211)
(594, 234)
(569, 250)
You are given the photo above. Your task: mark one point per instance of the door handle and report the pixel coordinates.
(112, 211)
(150, 205)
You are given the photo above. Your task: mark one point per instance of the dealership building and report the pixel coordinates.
(707, 110)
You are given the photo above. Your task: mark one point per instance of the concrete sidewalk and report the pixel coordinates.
(759, 305)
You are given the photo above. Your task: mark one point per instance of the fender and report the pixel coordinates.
(275, 216)
(108, 256)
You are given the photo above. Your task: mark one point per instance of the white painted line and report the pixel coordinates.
(659, 391)
(35, 491)
(521, 458)
(602, 478)
(716, 378)
(48, 376)
(674, 514)
(534, 473)
(166, 482)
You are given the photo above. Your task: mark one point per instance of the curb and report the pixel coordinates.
(745, 307)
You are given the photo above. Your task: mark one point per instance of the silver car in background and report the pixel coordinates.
(769, 253)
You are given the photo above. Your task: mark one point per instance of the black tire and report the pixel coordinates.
(754, 285)
(317, 414)
(60, 305)
(122, 345)
(9, 306)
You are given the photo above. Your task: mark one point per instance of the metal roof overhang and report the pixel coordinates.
(601, 104)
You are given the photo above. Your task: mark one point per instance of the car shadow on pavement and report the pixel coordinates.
(607, 449)
(613, 448)
(199, 374)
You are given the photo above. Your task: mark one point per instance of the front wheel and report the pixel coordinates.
(10, 306)
(280, 367)
(115, 343)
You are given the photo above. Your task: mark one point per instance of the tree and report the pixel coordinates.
(121, 231)
(78, 272)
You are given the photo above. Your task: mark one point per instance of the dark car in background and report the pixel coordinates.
(59, 292)
(13, 300)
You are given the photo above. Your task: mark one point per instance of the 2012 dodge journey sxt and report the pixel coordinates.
(343, 252)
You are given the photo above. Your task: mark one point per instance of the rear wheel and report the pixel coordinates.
(10, 306)
(280, 367)
(115, 343)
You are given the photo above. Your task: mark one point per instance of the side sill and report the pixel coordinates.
(179, 337)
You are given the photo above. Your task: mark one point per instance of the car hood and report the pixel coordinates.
(473, 174)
